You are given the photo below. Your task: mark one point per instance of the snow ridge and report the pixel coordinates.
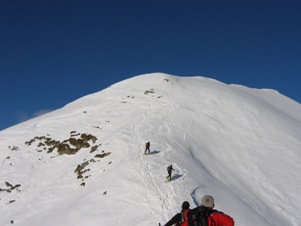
(84, 164)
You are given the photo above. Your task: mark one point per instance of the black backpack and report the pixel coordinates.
(199, 216)
(168, 168)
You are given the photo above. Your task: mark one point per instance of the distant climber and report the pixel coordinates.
(180, 218)
(206, 215)
(147, 146)
(169, 171)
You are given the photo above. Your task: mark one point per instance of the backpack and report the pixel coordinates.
(199, 216)
(168, 168)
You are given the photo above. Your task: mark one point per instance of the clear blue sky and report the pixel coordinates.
(53, 52)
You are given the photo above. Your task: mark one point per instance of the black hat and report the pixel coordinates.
(185, 205)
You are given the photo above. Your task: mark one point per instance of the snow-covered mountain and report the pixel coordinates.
(84, 164)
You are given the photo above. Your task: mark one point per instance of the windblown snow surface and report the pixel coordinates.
(238, 144)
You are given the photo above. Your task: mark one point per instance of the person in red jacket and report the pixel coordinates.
(215, 217)
(180, 218)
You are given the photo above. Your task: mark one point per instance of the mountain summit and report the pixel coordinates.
(84, 164)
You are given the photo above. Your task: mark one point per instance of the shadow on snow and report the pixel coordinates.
(153, 152)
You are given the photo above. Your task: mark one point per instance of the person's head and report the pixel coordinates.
(208, 201)
(185, 205)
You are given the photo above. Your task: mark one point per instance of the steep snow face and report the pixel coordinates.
(84, 164)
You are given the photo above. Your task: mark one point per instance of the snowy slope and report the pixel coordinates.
(240, 145)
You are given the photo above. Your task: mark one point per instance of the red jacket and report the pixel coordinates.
(220, 219)
(178, 219)
(184, 217)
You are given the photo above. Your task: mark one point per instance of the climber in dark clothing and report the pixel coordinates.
(169, 170)
(147, 145)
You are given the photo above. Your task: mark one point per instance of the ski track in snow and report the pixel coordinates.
(154, 186)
